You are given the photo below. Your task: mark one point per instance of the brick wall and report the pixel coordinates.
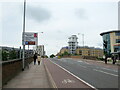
(11, 68)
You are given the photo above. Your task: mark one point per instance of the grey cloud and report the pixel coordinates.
(81, 13)
(37, 13)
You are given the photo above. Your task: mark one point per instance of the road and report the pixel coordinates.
(96, 75)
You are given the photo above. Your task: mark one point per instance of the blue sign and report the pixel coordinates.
(26, 43)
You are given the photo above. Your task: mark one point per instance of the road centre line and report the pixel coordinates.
(75, 76)
(105, 72)
(79, 61)
(83, 66)
(83, 62)
(107, 69)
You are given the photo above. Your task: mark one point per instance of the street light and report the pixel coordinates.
(82, 38)
(23, 37)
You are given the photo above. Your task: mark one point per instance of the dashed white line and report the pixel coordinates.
(79, 61)
(87, 63)
(83, 66)
(110, 69)
(107, 69)
(105, 72)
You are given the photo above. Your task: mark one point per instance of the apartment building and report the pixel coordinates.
(85, 51)
(72, 44)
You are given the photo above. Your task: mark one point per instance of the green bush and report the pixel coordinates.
(51, 56)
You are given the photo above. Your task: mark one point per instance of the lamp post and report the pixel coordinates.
(82, 38)
(23, 38)
(20, 53)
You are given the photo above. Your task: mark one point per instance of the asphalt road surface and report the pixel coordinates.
(96, 75)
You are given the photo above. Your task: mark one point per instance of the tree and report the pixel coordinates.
(66, 53)
(12, 54)
(4, 55)
(51, 56)
(105, 51)
(105, 44)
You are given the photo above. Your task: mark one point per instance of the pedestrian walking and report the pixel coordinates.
(35, 57)
(39, 59)
(106, 59)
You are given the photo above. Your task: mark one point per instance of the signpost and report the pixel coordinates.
(31, 38)
(28, 38)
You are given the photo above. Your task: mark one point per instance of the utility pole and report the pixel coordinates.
(20, 53)
(23, 37)
(82, 38)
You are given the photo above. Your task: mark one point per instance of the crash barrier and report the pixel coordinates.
(12, 67)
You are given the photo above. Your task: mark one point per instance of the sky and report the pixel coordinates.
(58, 20)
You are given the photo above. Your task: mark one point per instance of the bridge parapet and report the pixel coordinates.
(11, 68)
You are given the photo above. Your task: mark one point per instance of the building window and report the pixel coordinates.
(116, 48)
(88, 53)
(117, 33)
(80, 52)
(117, 40)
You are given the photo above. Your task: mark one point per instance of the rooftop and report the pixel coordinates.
(109, 32)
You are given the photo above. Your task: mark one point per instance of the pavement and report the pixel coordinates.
(33, 77)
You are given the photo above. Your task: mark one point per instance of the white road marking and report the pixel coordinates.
(83, 62)
(65, 81)
(75, 76)
(105, 72)
(107, 69)
(79, 61)
(83, 66)
(87, 63)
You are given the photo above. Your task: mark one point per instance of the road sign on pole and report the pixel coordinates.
(31, 38)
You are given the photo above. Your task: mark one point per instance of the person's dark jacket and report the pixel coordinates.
(35, 57)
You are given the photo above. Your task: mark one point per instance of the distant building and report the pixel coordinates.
(89, 51)
(40, 50)
(72, 43)
(64, 49)
(111, 41)
(85, 51)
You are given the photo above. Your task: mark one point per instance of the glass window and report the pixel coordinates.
(117, 33)
(106, 43)
(80, 52)
(117, 40)
(116, 48)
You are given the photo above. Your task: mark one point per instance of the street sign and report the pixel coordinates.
(31, 38)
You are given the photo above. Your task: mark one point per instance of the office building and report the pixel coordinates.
(111, 41)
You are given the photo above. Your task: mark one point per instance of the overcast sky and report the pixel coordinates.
(58, 20)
